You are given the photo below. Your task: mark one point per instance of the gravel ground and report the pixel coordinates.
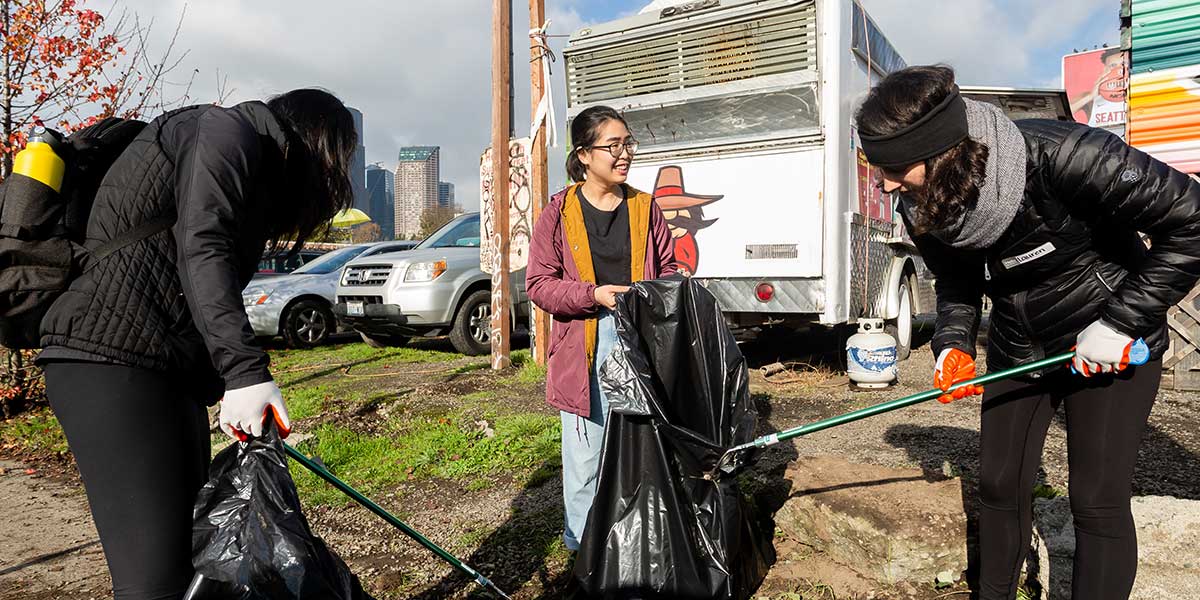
(510, 530)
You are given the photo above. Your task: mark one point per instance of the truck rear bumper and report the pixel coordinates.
(792, 296)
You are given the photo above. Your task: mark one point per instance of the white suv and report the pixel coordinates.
(434, 289)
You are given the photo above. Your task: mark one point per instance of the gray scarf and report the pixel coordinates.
(1002, 189)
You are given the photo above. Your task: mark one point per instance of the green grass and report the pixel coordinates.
(520, 358)
(36, 431)
(306, 402)
(1042, 490)
(531, 373)
(549, 470)
(471, 368)
(480, 484)
(334, 355)
(453, 447)
(446, 447)
(527, 370)
(367, 463)
(481, 396)
(473, 537)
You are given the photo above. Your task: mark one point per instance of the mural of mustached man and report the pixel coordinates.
(684, 213)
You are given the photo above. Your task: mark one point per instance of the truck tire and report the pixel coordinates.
(308, 324)
(384, 341)
(901, 327)
(471, 332)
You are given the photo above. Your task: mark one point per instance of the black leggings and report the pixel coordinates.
(1106, 417)
(141, 442)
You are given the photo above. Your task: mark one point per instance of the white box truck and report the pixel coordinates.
(744, 111)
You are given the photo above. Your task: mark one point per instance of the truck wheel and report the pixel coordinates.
(901, 327)
(471, 333)
(383, 341)
(307, 324)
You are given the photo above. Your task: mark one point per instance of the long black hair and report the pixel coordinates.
(952, 178)
(585, 130)
(321, 145)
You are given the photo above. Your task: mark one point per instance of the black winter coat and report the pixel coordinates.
(1073, 253)
(173, 301)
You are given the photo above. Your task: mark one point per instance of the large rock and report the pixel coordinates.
(889, 525)
(1168, 531)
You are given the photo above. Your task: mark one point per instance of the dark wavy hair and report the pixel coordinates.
(321, 145)
(585, 129)
(952, 178)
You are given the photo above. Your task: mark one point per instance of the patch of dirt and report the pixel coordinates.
(48, 544)
(510, 531)
(814, 576)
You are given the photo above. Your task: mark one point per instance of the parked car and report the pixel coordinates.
(284, 262)
(298, 305)
(434, 289)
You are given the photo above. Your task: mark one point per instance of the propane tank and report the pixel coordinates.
(871, 356)
(40, 160)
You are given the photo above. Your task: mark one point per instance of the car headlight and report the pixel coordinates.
(256, 296)
(425, 271)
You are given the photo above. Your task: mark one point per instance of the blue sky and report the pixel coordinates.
(420, 70)
(1076, 24)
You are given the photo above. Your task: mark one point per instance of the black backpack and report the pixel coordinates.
(42, 234)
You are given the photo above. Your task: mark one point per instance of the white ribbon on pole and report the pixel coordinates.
(545, 108)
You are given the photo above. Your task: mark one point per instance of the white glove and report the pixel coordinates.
(1101, 349)
(243, 410)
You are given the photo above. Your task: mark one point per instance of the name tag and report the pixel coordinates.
(1032, 255)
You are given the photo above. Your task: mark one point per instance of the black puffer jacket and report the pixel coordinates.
(1073, 254)
(173, 301)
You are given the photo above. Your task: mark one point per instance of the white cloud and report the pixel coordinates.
(992, 42)
(420, 71)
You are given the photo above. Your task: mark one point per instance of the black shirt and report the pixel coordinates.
(608, 236)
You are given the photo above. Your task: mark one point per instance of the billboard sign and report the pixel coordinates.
(1097, 84)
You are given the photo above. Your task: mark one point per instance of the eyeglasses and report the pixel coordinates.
(615, 148)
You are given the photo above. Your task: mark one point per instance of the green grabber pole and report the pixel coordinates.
(386, 516)
(1139, 354)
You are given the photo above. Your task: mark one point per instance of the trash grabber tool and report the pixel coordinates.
(1139, 355)
(401, 525)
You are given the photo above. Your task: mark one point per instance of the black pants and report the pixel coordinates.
(1106, 418)
(141, 441)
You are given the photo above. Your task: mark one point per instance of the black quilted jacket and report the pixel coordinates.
(1073, 254)
(173, 301)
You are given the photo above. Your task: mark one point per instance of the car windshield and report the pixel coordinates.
(462, 232)
(330, 261)
(385, 249)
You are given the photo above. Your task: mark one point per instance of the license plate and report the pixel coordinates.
(355, 309)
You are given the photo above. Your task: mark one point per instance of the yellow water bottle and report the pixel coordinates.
(40, 159)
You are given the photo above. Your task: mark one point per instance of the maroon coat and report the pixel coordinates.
(553, 283)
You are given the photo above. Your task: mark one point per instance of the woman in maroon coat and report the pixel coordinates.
(591, 243)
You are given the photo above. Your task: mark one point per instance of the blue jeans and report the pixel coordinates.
(581, 442)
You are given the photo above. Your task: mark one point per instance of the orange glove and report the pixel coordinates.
(953, 366)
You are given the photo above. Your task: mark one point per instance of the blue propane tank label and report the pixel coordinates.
(875, 361)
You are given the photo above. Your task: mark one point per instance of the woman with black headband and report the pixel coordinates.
(1043, 217)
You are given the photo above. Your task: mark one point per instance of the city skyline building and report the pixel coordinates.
(381, 194)
(417, 176)
(445, 194)
(358, 166)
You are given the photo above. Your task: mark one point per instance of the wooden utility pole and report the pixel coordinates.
(501, 126)
(537, 162)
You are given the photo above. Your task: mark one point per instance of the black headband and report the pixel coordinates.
(934, 133)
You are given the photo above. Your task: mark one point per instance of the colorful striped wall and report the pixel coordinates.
(1164, 99)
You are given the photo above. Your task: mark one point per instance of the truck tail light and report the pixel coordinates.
(765, 292)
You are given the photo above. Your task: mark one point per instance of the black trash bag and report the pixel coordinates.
(249, 539)
(678, 393)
